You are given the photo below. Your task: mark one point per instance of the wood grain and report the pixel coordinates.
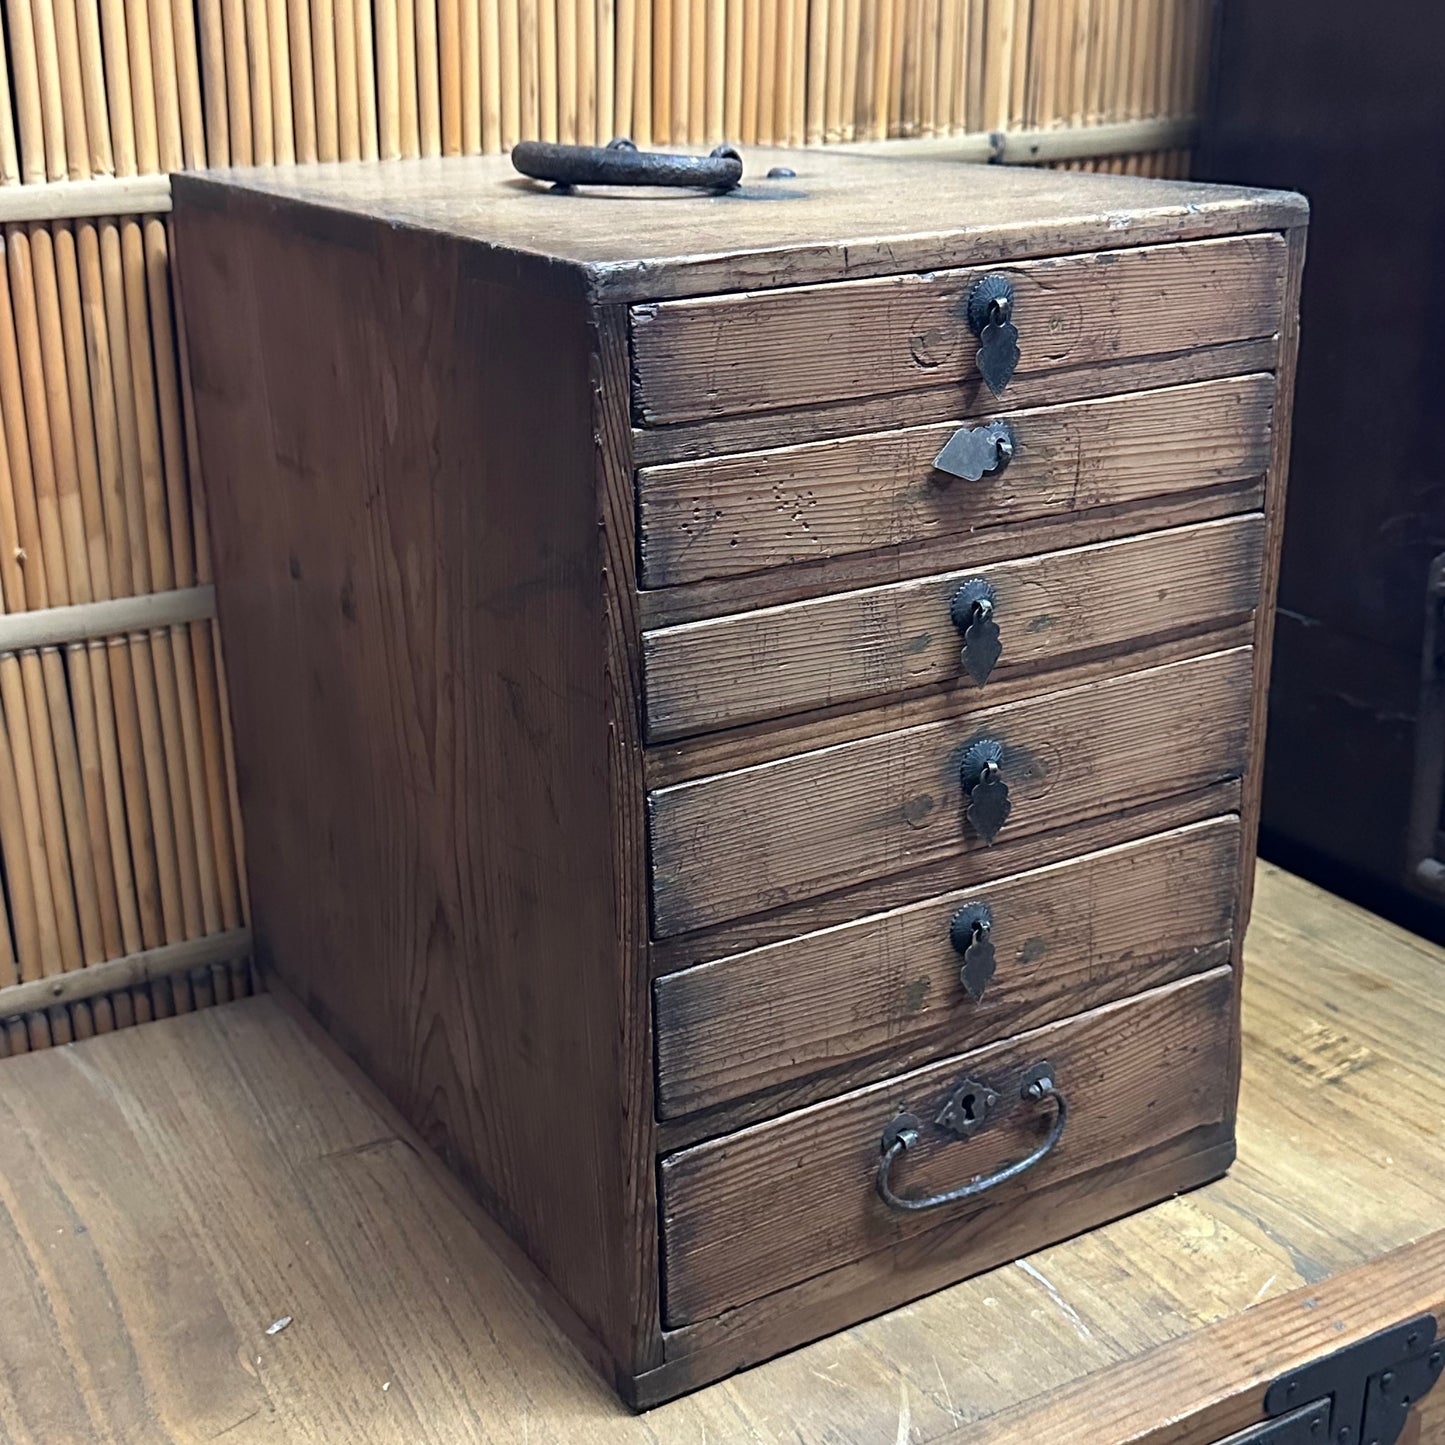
(766, 350)
(772, 1205)
(885, 988)
(221, 1170)
(428, 870)
(1112, 596)
(734, 514)
(760, 837)
(849, 216)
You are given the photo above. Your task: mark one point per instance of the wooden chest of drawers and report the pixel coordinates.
(630, 781)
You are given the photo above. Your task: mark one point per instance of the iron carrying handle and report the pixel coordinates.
(905, 1131)
(620, 163)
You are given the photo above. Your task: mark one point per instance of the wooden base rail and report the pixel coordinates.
(83, 621)
(151, 194)
(117, 973)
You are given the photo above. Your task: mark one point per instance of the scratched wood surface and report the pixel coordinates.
(882, 993)
(741, 511)
(844, 215)
(765, 350)
(793, 1197)
(882, 641)
(757, 838)
(165, 1195)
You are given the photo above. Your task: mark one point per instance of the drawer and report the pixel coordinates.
(798, 346)
(728, 515)
(780, 1202)
(1066, 938)
(763, 836)
(879, 641)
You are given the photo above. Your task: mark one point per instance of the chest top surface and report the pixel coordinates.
(841, 216)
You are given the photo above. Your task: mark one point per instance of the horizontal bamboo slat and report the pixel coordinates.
(120, 833)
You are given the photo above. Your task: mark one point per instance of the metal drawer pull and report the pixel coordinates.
(620, 163)
(968, 1109)
(972, 609)
(970, 931)
(981, 776)
(973, 450)
(990, 317)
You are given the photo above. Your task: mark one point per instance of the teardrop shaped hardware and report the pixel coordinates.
(973, 610)
(990, 315)
(973, 451)
(981, 774)
(970, 931)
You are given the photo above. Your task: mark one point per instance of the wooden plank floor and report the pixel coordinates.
(168, 1192)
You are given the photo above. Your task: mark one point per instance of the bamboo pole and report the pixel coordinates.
(511, 72)
(680, 69)
(213, 90)
(491, 71)
(348, 96)
(587, 72)
(470, 42)
(9, 151)
(238, 91)
(548, 119)
(662, 57)
(410, 133)
(73, 89)
(624, 94)
(705, 83)
(752, 22)
(167, 85)
(428, 81)
(323, 71)
(565, 18)
(449, 65)
(642, 121)
(142, 84)
(529, 68)
(52, 99)
(28, 108)
(365, 57)
(188, 77)
(815, 103)
(605, 49)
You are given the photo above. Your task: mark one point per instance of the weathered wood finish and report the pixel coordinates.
(773, 1205)
(753, 840)
(846, 216)
(448, 554)
(431, 513)
(772, 349)
(947, 402)
(1070, 937)
(171, 1191)
(742, 512)
(888, 640)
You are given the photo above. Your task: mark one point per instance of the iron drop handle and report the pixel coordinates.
(620, 163)
(964, 1114)
(980, 774)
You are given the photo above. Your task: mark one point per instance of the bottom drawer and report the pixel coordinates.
(769, 1206)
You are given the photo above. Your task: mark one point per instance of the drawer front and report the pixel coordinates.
(883, 640)
(728, 515)
(1066, 938)
(764, 836)
(777, 1203)
(800, 345)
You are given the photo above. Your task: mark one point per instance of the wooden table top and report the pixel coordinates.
(170, 1192)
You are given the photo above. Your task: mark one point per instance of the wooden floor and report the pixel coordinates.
(168, 1193)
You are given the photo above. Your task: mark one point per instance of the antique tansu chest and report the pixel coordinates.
(748, 701)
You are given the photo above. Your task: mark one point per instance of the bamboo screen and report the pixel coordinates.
(123, 883)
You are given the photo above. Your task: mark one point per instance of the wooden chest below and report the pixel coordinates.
(776, 813)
